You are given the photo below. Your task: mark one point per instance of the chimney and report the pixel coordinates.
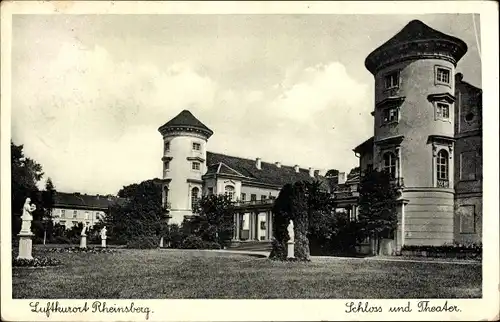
(278, 164)
(316, 173)
(311, 172)
(296, 168)
(257, 163)
(341, 178)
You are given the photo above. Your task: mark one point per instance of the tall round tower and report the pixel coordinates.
(414, 127)
(184, 162)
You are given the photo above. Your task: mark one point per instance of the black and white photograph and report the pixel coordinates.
(163, 154)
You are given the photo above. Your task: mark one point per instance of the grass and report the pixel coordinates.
(162, 274)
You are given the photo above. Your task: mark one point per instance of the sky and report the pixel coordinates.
(90, 91)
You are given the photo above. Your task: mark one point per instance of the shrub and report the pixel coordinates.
(144, 242)
(193, 242)
(61, 240)
(35, 262)
(278, 250)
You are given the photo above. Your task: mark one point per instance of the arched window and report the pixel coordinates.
(194, 197)
(165, 196)
(442, 165)
(390, 161)
(229, 191)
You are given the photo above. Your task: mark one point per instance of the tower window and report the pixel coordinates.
(442, 111)
(194, 197)
(243, 196)
(195, 166)
(210, 191)
(390, 164)
(229, 191)
(166, 165)
(442, 75)
(74, 213)
(196, 146)
(390, 115)
(167, 146)
(442, 168)
(391, 80)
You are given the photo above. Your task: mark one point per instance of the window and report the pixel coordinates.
(194, 197)
(195, 166)
(390, 115)
(229, 191)
(166, 165)
(442, 75)
(467, 219)
(253, 197)
(390, 161)
(86, 215)
(63, 212)
(165, 196)
(210, 191)
(263, 197)
(243, 196)
(443, 111)
(442, 168)
(391, 80)
(196, 146)
(167, 146)
(74, 213)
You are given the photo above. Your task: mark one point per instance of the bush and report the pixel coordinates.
(35, 262)
(211, 245)
(93, 250)
(278, 251)
(144, 242)
(61, 240)
(193, 242)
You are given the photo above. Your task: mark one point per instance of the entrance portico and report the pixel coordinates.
(253, 221)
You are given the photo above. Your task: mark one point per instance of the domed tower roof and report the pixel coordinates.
(185, 121)
(416, 41)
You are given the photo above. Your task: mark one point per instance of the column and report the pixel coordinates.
(238, 226)
(250, 226)
(256, 225)
(235, 221)
(270, 227)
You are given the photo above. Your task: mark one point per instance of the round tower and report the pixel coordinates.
(184, 163)
(414, 127)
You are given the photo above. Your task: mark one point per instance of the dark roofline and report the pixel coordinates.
(262, 162)
(415, 41)
(364, 146)
(185, 121)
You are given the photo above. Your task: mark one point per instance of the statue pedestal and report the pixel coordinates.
(161, 242)
(291, 249)
(103, 243)
(83, 241)
(25, 245)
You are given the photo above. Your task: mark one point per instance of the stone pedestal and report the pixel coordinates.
(103, 243)
(25, 245)
(291, 249)
(83, 241)
(161, 242)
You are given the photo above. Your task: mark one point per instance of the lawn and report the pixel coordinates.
(161, 274)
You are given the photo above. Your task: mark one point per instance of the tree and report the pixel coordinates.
(378, 201)
(291, 204)
(214, 219)
(25, 174)
(141, 216)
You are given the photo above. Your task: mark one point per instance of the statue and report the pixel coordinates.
(103, 236)
(26, 217)
(84, 230)
(103, 232)
(291, 233)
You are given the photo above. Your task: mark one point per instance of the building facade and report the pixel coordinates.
(427, 136)
(190, 171)
(70, 209)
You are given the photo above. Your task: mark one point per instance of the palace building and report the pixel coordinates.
(190, 171)
(427, 135)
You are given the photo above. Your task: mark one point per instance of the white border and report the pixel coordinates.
(265, 310)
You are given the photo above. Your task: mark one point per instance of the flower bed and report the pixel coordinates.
(35, 262)
(93, 250)
(461, 251)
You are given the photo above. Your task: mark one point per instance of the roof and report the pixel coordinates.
(269, 173)
(84, 201)
(365, 146)
(417, 33)
(185, 119)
